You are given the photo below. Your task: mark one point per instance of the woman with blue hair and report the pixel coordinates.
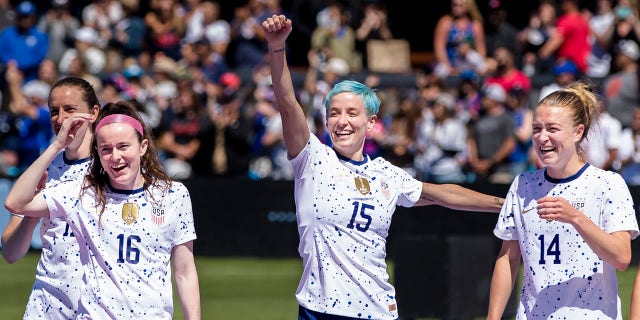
(344, 199)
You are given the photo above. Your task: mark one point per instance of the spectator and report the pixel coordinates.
(23, 42)
(337, 38)
(191, 11)
(469, 98)
(163, 87)
(7, 14)
(271, 141)
(506, 73)
(491, 140)
(441, 143)
(624, 27)
(564, 72)
(29, 105)
(102, 15)
(225, 149)
(603, 141)
(620, 89)
(129, 33)
(216, 30)
(463, 24)
(470, 60)
(398, 143)
(179, 132)
(165, 28)
(499, 32)
(517, 103)
(86, 48)
(571, 41)
(48, 72)
(139, 86)
(210, 63)
(374, 25)
(248, 46)
(542, 24)
(60, 26)
(601, 24)
(629, 151)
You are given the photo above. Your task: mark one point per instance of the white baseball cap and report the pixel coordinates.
(495, 92)
(629, 48)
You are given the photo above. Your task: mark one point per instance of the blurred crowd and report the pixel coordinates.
(205, 86)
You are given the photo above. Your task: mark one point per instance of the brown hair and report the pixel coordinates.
(88, 92)
(151, 168)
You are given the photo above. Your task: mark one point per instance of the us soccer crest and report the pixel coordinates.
(130, 212)
(362, 184)
(157, 216)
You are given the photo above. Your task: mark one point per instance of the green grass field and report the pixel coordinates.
(230, 288)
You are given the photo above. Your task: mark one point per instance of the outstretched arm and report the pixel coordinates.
(294, 124)
(459, 198)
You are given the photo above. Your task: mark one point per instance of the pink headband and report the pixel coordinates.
(120, 118)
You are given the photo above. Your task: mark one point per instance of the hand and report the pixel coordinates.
(277, 28)
(557, 208)
(72, 131)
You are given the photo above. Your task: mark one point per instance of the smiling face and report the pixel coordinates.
(65, 101)
(555, 140)
(348, 122)
(120, 152)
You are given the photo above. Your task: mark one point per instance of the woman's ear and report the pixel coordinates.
(579, 132)
(372, 122)
(94, 112)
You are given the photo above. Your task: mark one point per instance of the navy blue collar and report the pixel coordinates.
(567, 179)
(72, 162)
(358, 163)
(121, 191)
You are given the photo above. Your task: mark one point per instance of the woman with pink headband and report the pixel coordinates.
(130, 219)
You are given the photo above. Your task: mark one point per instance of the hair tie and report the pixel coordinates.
(120, 118)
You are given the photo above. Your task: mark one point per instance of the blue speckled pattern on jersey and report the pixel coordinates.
(344, 211)
(58, 283)
(127, 266)
(563, 278)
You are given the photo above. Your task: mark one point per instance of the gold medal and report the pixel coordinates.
(130, 212)
(362, 184)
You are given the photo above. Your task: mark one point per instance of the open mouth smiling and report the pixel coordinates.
(545, 150)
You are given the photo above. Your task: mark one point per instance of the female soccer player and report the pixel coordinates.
(58, 284)
(129, 218)
(570, 222)
(344, 199)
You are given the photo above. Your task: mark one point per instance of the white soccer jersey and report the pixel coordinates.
(344, 211)
(58, 284)
(563, 277)
(126, 251)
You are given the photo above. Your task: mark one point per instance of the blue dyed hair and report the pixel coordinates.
(368, 96)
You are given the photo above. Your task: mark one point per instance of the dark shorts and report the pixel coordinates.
(306, 314)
